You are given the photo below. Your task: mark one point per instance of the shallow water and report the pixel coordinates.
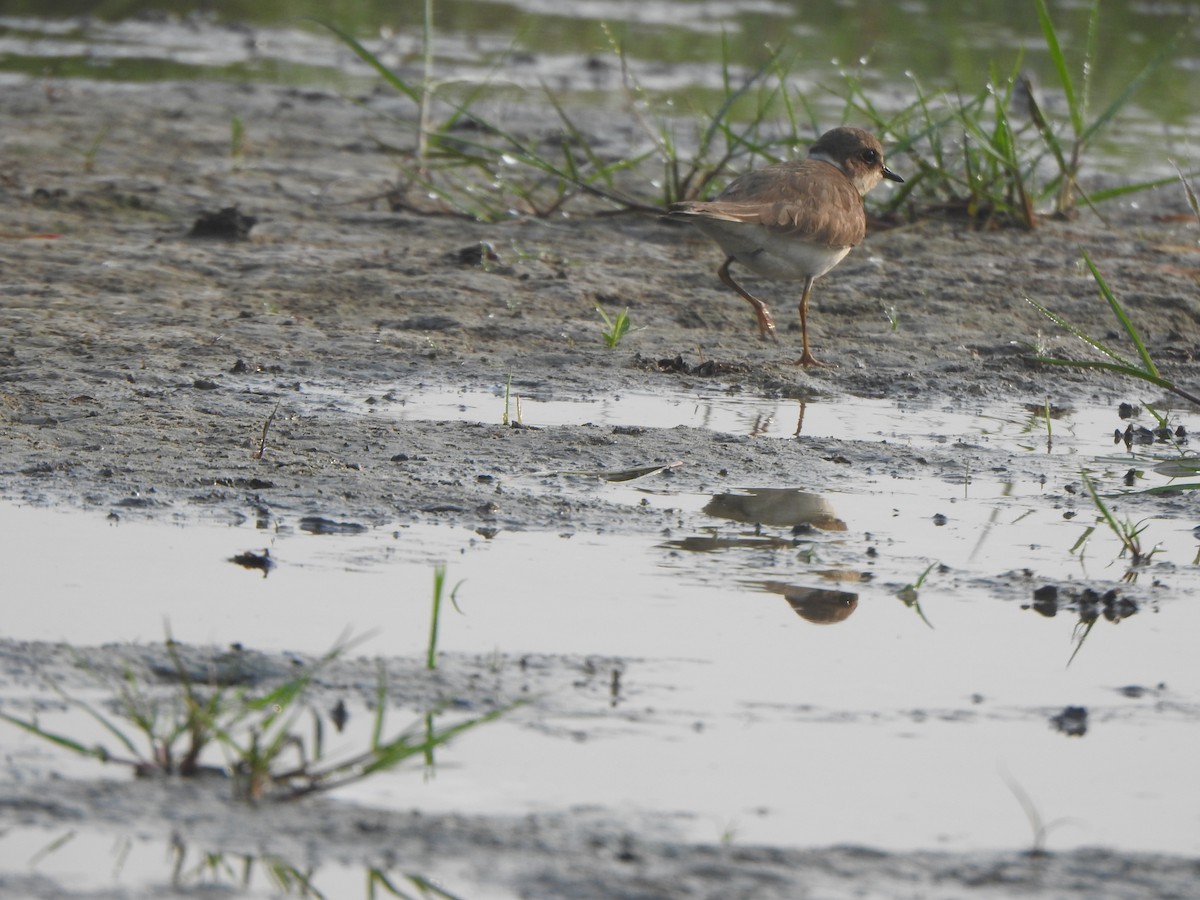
(737, 712)
(675, 48)
(739, 716)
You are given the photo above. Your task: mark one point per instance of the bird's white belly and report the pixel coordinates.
(771, 254)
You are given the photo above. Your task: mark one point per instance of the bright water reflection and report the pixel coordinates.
(915, 423)
(939, 44)
(739, 705)
(728, 685)
(81, 859)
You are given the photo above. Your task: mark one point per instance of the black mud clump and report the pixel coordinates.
(228, 224)
(1088, 603)
(1072, 721)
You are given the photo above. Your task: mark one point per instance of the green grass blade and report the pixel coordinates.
(1131, 87)
(1130, 371)
(1060, 66)
(1082, 633)
(1107, 515)
(414, 94)
(1119, 312)
(1134, 188)
(1089, 55)
(380, 708)
(1179, 468)
(731, 97)
(1048, 136)
(109, 726)
(1171, 488)
(1187, 189)
(1086, 338)
(391, 754)
(96, 752)
(439, 585)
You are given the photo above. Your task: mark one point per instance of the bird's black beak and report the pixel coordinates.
(892, 176)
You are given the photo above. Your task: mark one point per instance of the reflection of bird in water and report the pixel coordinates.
(697, 544)
(780, 507)
(817, 605)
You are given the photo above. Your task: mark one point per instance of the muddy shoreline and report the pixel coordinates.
(138, 366)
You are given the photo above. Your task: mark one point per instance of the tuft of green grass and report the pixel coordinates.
(1129, 533)
(992, 154)
(910, 594)
(614, 328)
(995, 155)
(259, 735)
(512, 401)
(89, 153)
(695, 151)
(1083, 131)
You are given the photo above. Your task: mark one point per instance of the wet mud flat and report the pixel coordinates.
(576, 852)
(139, 366)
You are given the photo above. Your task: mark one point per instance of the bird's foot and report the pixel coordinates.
(766, 327)
(809, 361)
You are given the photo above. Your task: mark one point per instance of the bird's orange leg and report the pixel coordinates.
(766, 324)
(806, 358)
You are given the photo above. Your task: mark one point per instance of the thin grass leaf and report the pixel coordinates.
(1058, 320)
(439, 584)
(1128, 370)
(1187, 189)
(1119, 312)
(1170, 488)
(318, 740)
(1126, 533)
(414, 94)
(379, 879)
(575, 138)
(1131, 87)
(732, 97)
(380, 707)
(789, 108)
(610, 474)
(1090, 46)
(517, 149)
(1060, 66)
(108, 725)
(428, 888)
(1136, 187)
(391, 754)
(96, 751)
(1048, 136)
(1178, 468)
(1082, 631)
(454, 597)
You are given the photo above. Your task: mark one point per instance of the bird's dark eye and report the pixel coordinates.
(870, 157)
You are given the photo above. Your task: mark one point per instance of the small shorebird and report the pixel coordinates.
(794, 220)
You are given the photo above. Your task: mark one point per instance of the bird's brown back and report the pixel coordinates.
(797, 198)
